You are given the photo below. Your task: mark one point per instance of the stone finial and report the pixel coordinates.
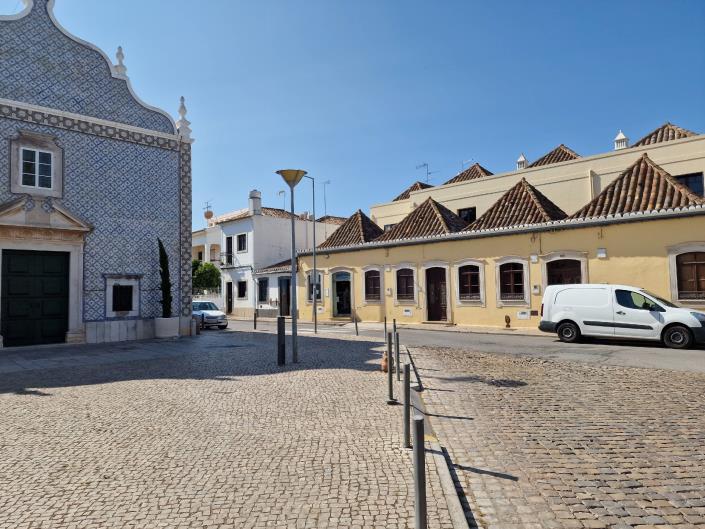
(183, 125)
(120, 67)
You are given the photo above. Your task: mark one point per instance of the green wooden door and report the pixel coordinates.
(35, 297)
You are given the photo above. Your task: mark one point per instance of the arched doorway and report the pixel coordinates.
(342, 298)
(564, 272)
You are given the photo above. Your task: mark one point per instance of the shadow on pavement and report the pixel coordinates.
(222, 356)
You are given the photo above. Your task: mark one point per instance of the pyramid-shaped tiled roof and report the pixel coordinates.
(643, 186)
(473, 172)
(522, 204)
(358, 229)
(416, 186)
(430, 218)
(559, 154)
(666, 132)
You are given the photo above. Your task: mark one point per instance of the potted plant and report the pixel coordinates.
(166, 326)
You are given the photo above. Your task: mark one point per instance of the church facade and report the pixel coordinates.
(91, 179)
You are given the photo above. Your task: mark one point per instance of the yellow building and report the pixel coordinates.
(643, 225)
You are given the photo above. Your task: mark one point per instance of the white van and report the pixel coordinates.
(618, 311)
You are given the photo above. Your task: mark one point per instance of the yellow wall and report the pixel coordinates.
(637, 254)
(570, 184)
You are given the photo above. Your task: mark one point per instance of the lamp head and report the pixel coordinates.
(291, 176)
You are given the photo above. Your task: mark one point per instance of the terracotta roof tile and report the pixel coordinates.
(244, 213)
(473, 172)
(357, 229)
(332, 219)
(430, 218)
(281, 266)
(643, 186)
(522, 204)
(666, 132)
(559, 154)
(416, 186)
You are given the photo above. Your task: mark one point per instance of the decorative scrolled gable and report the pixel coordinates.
(43, 64)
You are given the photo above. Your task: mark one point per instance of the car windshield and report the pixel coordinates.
(660, 299)
(204, 305)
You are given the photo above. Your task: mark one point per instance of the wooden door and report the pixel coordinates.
(436, 294)
(35, 297)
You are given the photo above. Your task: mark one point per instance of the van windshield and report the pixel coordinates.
(660, 300)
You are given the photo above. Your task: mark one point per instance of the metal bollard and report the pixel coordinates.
(396, 355)
(355, 316)
(407, 406)
(390, 377)
(281, 341)
(385, 326)
(419, 473)
(255, 320)
(394, 325)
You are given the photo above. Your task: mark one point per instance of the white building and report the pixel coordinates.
(252, 247)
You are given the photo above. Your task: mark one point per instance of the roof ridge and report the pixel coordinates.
(613, 195)
(438, 213)
(646, 139)
(530, 190)
(672, 180)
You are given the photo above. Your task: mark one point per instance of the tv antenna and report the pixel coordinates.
(428, 171)
(466, 162)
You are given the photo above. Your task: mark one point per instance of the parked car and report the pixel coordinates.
(618, 311)
(209, 314)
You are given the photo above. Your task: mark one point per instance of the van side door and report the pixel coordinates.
(589, 306)
(636, 316)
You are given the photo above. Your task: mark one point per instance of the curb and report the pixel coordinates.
(455, 508)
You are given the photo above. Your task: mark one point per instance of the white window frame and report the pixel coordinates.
(526, 302)
(379, 301)
(38, 144)
(125, 280)
(37, 152)
(237, 238)
(673, 252)
(563, 254)
(414, 271)
(456, 276)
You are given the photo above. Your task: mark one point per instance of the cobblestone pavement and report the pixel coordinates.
(206, 433)
(544, 444)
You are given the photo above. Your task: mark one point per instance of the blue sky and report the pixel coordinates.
(360, 92)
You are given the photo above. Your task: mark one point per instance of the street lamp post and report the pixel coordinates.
(316, 286)
(293, 177)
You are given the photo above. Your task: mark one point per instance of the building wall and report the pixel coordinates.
(570, 185)
(126, 171)
(637, 254)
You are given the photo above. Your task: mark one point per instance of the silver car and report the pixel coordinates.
(209, 315)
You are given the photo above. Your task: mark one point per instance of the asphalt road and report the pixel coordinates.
(624, 353)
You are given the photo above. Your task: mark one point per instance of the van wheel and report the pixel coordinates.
(677, 337)
(568, 332)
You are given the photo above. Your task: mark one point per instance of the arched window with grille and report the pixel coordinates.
(405, 284)
(512, 282)
(372, 286)
(469, 283)
(690, 273)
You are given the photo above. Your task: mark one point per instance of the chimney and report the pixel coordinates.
(620, 141)
(522, 162)
(255, 205)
